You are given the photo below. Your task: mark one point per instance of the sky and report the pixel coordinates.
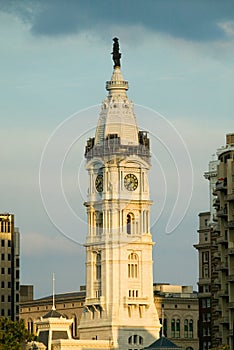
(55, 59)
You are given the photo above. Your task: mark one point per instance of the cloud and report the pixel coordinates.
(188, 19)
(44, 245)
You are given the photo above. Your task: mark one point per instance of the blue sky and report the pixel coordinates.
(55, 60)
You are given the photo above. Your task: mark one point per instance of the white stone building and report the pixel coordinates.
(119, 310)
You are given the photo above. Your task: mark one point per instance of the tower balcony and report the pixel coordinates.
(136, 301)
(113, 147)
(95, 301)
(119, 84)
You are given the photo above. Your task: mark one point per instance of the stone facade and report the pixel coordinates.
(216, 257)
(10, 267)
(172, 302)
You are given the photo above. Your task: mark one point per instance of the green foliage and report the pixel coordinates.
(13, 335)
(222, 347)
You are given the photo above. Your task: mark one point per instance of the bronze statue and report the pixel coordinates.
(116, 55)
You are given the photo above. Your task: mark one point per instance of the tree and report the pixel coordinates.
(13, 334)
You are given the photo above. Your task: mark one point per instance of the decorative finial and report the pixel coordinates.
(116, 55)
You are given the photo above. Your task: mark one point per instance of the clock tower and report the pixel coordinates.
(119, 304)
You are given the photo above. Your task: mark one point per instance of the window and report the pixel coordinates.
(9, 244)
(186, 328)
(9, 257)
(133, 265)
(205, 257)
(136, 340)
(2, 298)
(177, 333)
(173, 328)
(3, 243)
(9, 284)
(2, 284)
(190, 333)
(206, 288)
(98, 266)
(3, 256)
(99, 222)
(205, 271)
(130, 223)
(30, 325)
(3, 270)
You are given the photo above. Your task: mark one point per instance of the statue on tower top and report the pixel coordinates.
(116, 55)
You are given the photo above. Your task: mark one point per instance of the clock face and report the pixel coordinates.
(130, 182)
(99, 183)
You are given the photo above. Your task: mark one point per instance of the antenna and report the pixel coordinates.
(53, 306)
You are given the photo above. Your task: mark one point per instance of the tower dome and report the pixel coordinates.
(117, 118)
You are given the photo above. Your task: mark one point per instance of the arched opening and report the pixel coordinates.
(133, 262)
(30, 325)
(98, 266)
(130, 221)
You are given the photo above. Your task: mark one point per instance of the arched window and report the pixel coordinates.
(173, 328)
(130, 222)
(133, 265)
(30, 325)
(98, 266)
(177, 334)
(190, 333)
(135, 339)
(186, 328)
(99, 222)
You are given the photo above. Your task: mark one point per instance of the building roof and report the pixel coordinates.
(53, 314)
(163, 343)
(117, 116)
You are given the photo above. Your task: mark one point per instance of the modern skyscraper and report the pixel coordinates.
(10, 269)
(217, 257)
(119, 303)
